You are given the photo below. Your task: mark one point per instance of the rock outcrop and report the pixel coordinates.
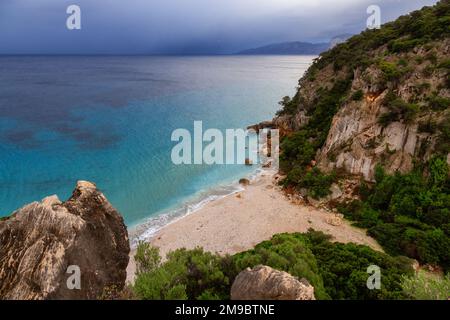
(265, 283)
(358, 139)
(44, 244)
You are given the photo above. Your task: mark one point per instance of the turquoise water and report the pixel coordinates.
(109, 120)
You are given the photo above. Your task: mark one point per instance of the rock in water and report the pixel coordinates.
(42, 241)
(265, 283)
(244, 182)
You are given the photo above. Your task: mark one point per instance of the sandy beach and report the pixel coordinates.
(240, 221)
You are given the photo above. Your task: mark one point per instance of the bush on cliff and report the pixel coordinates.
(286, 252)
(337, 271)
(426, 286)
(186, 274)
(343, 268)
(409, 213)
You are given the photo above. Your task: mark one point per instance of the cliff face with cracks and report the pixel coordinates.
(40, 241)
(358, 140)
(396, 110)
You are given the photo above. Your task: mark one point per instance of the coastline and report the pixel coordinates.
(239, 221)
(147, 228)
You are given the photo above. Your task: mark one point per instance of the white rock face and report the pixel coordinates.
(356, 141)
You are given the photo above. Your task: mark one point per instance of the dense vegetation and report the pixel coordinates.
(343, 268)
(288, 252)
(408, 214)
(403, 34)
(337, 271)
(186, 274)
(426, 286)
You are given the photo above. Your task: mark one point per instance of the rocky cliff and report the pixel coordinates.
(45, 245)
(359, 139)
(382, 97)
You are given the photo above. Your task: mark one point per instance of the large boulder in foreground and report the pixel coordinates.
(265, 283)
(42, 241)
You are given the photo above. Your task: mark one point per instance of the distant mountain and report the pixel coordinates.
(289, 48)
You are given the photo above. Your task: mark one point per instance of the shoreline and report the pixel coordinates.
(239, 221)
(147, 228)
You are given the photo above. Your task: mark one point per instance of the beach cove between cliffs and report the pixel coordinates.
(241, 220)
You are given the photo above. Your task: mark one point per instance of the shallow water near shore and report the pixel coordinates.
(109, 120)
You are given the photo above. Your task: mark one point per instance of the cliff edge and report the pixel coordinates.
(46, 245)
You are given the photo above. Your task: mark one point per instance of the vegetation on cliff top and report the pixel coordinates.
(408, 214)
(404, 34)
(337, 271)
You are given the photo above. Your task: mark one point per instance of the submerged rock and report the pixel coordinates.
(44, 244)
(265, 283)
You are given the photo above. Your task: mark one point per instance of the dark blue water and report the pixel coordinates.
(109, 120)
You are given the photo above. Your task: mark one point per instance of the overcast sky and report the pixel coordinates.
(181, 26)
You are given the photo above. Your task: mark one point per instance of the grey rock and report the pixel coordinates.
(40, 241)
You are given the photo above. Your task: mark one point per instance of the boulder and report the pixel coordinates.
(336, 192)
(244, 182)
(265, 283)
(45, 245)
(336, 219)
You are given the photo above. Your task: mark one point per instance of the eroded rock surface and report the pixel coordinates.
(265, 283)
(40, 241)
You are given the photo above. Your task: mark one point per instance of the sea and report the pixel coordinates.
(109, 120)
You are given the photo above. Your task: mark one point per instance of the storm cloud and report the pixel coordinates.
(181, 26)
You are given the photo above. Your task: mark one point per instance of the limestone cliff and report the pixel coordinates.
(39, 242)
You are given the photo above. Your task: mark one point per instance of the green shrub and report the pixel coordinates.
(147, 258)
(286, 252)
(402, 62)
(426, 286)
(358, 95)
(390, 71)
(398, 110)
(445, 64)
(317, 183)
(335, 270)
(432, 57)
(288, 105)
(443, 143)
(186, 274)
(299, 149)
(408, 214)
(402, 45)
(438, 103)
(428, 126)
